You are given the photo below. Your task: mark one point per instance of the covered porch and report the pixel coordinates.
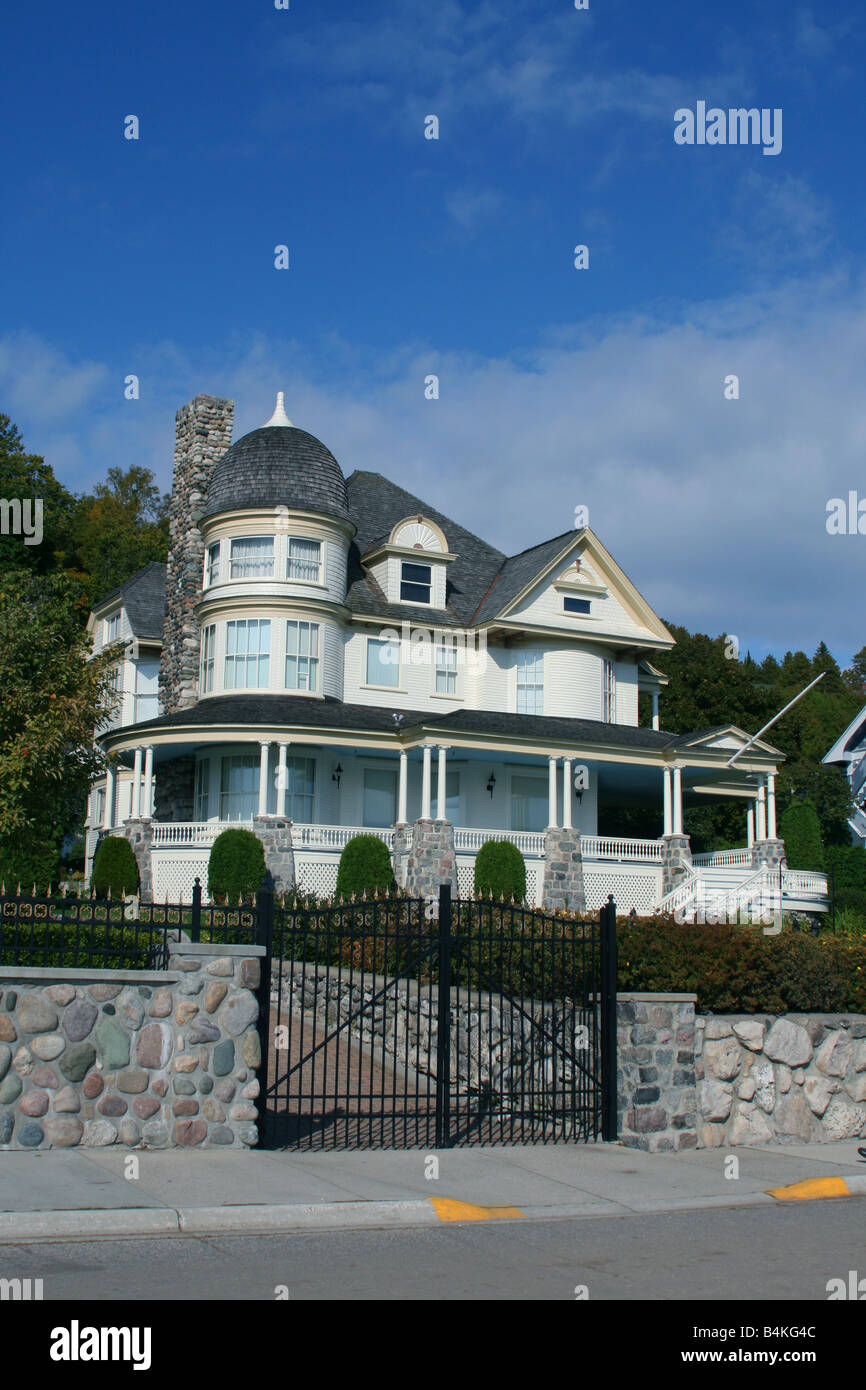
(475, 787)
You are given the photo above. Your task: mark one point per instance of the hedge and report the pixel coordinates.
(365, 867)
(801, 831)
(500, 870)
(114, 868)
(236, 866)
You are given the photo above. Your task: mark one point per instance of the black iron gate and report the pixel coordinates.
(386, 1026)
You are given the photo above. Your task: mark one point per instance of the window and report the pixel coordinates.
(415, 583)
(446, 670)
(247, 654)
(253, 557)
(300, 789)
(383, 663)
(576, 605)
(239, 788)
(380, 797)
(202, 787)
(112, 629)
(305, 559)
(99, 807)
(302, 656)
(608, 698)
(208, 643)
(530, 682)
(115, 679)
(212, 567)
(529, 803)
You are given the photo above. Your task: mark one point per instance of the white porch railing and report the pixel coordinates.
(682, 897)
(620, 847)
(166, 833)
(720, 857)
(527, 841)
(335, 836)
(798, 883)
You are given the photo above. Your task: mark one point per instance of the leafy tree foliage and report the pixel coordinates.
(52, 699)
(801, 832)
(121, 528)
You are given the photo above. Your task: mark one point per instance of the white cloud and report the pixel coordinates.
(716, 509)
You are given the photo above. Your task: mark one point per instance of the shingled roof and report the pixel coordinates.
(143, 597)
(377, 505)
(274, 466)
(517, 572)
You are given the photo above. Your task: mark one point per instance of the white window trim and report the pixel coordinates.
(394, 689)
(526, 651)
(415, 602)
(286, 558)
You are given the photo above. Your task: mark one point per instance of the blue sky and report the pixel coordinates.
(409, 256)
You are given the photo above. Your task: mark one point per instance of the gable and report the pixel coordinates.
(584, 573)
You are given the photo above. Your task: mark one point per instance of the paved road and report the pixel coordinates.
(764, 1253)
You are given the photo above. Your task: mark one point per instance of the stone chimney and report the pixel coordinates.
(203, 433)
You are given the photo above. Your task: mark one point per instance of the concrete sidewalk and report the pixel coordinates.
(99, 1194)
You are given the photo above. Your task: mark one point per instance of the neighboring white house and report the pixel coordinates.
(849, 754)
(336, 654)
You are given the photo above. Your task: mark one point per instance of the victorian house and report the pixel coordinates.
(323, 655)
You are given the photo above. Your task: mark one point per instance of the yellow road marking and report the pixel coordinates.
(810, 1189)
(447, 1209)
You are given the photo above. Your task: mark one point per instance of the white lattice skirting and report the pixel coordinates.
(637, 888)
(175, 872)
(317, 873)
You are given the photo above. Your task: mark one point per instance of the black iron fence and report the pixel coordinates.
(76, 931)
(386, 1025)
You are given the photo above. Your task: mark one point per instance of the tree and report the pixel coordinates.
(825, 788)
(236, 866)
(802, 835)
(114, 868)
(120, 528)
(855, 676)
(365, 867)
(53, 698)
(27, 478)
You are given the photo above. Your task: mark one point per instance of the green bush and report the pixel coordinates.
(500, 870)
(365, 867)
(28, 864)
(801, 831)
(114, 868)
(737, 969)
(236, 866)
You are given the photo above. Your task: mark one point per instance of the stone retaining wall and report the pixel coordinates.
(763, 1079)
(656, 1078)
(146, 1059)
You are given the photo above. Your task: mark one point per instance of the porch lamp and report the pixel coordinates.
(336, 775)
(491, 783)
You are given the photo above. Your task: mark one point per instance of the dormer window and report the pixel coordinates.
(112, 629)
(253, 557)
(304, 560)
(415, 582)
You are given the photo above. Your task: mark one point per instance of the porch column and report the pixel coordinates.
(678, 801)
(771, 806)
(425, 783)
(263, 778)
(761, 809)
(655, 696)
(403, 790)
(668, 802)
(566, 793)
(551, 792)
(147, 793)
(108, 808)
(442, 784)
(281, 781)
(750, 827)
(136, 785)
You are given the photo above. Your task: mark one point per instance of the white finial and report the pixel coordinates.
(279, 416)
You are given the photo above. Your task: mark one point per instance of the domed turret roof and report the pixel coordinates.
(278, 465)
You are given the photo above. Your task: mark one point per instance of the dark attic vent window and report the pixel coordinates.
(576, 605)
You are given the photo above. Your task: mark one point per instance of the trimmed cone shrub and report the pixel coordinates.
(500, 870)
(114, 868)
(236, 866)
(801, 831)
(365, 867)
